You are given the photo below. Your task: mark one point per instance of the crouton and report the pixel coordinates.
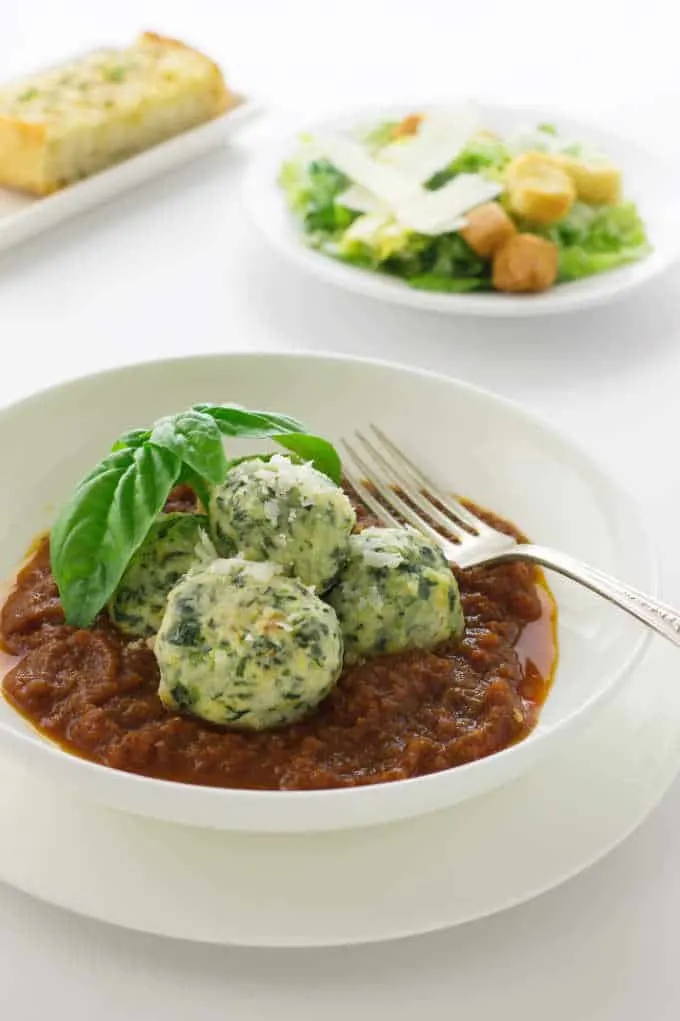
(539, 190)
(525, 263)
(487, 228)
(596, 183)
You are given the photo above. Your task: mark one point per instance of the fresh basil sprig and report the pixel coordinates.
(104, 522)
(197, 441)
(99, 529)
(233, 420)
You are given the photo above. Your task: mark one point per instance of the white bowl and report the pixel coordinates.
(648, 180)
(469, 440)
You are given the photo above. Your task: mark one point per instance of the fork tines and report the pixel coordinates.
(399, 493)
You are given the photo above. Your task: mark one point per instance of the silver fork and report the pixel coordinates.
(378, 466)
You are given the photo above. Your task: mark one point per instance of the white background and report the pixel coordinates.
(175, 268)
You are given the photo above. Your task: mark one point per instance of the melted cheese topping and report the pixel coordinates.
(90, 89)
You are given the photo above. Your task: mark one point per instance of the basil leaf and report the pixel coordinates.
(132, 438)
(236, 421)
(320, 452)
(189, 477)
(98, 531)
(103, 524)
(196, 439)
(288, 432)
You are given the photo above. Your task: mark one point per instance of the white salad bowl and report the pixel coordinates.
(478, 444)
(648, 180)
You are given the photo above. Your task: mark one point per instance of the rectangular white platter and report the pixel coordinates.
(24, 216)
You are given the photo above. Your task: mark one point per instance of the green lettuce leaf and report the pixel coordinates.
(311, 189)
(593, 239)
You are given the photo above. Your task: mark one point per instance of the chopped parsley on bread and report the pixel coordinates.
(71, 121)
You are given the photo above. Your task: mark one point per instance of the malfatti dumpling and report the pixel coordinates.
(397, 592)
(244, 646)
(287, 513)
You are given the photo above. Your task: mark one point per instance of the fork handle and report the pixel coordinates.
(656, 615)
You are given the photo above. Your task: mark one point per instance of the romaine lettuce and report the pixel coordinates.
(592, 239)
(311, 189)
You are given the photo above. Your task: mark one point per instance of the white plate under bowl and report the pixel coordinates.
(25, 216)
(648, 180)
(467, 439)
(359, 886)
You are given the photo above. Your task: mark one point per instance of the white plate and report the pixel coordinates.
(359, 886)
(24, 216)
(648, 180)
(465, 438)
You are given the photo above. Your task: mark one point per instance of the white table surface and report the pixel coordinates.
(175, 268)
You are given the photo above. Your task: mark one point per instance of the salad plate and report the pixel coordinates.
(608, 234)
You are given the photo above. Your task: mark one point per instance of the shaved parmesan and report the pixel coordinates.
(361, 200)
(388, 191)
(438, 141)
(436, 212)
(384, 182)
(366, 227)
